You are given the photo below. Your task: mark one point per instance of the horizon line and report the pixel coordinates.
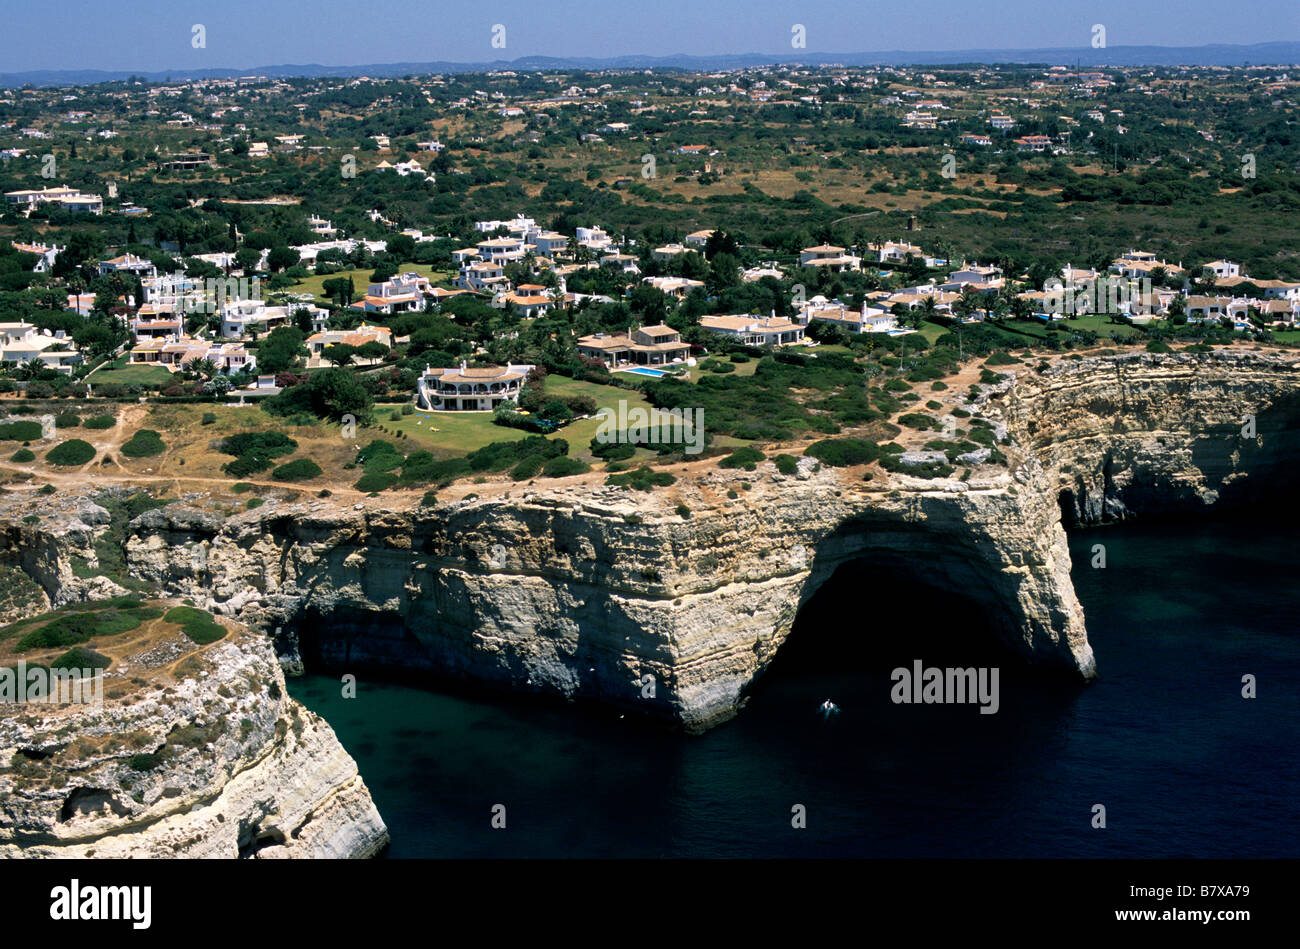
(774, 60)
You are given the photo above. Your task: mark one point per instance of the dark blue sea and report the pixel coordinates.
(1183, 764)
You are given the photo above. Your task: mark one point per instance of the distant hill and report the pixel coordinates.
(1281, 53)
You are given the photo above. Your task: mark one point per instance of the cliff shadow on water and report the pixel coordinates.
(1247, 464)
(867, 621)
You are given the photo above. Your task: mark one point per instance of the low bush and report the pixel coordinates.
(300, 469)
(71, 453)
(747, 457)
(373, 481)
(641, 479)
(22, 431)
(562, 465)
(843, 452)
(144, 444)
(197, 624)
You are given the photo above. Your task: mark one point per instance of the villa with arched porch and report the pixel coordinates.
(462, 389)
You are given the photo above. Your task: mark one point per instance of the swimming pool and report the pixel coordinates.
(652, 373)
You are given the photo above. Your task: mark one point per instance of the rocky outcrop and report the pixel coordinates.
(215, 761)
(596, 592)
(1160, 433)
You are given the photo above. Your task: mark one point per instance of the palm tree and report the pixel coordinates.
(204, 367)
(928, 310)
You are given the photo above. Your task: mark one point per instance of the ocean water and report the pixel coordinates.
(1164, 740)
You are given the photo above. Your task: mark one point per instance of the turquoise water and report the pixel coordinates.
(1183, 764)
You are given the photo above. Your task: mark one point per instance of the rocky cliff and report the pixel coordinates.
(192, 753)
(596, 592)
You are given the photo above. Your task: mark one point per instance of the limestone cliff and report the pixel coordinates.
(584, 590)
(193, 753)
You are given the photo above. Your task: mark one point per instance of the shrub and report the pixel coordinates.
(612, 451)
(197, 624)
(919, 420)
(144, 444)
(239, 487)
(79, 657)
(71, 453)
(208, 418)
(380, 456)
(843, 452)
(21, 431)
(99, 422)
(375, 481)
(641, 479)
(69, 629)
(527, 468)
(747, 457)
(253, 451)
(23, 455)
(300, 469)
(683, 511)
(562, 465)
(46, 489)
(787, 464)
(67, 420)
(252, 503)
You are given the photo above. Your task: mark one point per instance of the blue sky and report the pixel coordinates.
(154, 35)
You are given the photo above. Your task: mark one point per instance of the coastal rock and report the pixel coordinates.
(585, 590)
(211, 759)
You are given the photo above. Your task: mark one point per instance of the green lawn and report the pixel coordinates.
(120, 372)
(457, 433)
(932, 331)
(361, 279)
(1102, 326)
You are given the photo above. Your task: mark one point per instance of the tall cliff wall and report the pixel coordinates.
(216, 761)
(584, 591)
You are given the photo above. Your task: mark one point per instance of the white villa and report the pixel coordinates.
(755, 330)
(469, 390)
(481, 275)
(646, 346)
(128, 263)
(175, 354)
(69, 199)
(22, 342)
(401, 294)
(866, 320)
(365, 333)
(239, 318)
(829, 256)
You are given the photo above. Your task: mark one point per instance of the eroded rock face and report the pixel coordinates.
(591, 592)
(1148, 433)
(222, 764)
